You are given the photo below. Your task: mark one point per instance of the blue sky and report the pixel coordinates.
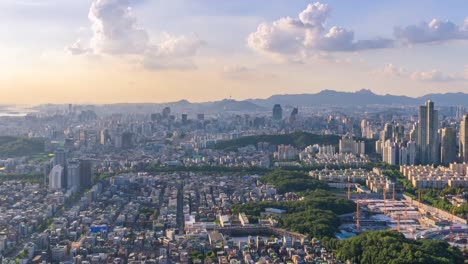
(252, 48)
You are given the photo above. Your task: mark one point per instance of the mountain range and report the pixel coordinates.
(362, 97)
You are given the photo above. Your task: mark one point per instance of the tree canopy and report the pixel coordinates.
(393, 248)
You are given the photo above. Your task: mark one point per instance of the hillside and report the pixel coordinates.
(383, 246)
(16, 147)
(297, 139)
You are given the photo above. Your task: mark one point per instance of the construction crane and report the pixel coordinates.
(452, 213)
(385, 199)
(393, 197)
(398, 223)
(419, 199)
(358, 215)
(406, 218)
(349, 189)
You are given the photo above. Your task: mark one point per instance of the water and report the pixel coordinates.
(15, 110)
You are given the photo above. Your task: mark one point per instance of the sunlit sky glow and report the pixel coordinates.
(105, 51)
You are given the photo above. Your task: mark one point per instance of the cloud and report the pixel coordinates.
(434, 75)
(78, 48)
(173, 52)
(391, 70)
(239, 72)
(299, 37)
(115, 28)
(435, 31)
(115, 32)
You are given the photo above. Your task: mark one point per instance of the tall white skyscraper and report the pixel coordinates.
(56, 178)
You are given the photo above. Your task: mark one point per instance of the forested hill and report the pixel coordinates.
(16, 146)
(393, 247)
(297, 139)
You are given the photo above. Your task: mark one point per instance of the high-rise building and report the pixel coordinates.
(399, 133)
(277, 112)
(463, 150)
(184, 118)
(448, 146)
(56, 178)
(104, 137)
(412, 151)
(427, 138)
(293, 116)
(73, 174)
(127, 140)
(166, 112)
(349, 146)
(86, 173)
(60, 158)
(387, 133)
(390, 152)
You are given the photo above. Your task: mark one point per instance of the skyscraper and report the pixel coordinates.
(166, 112)
(464, 138)
(73, 174)
(277, 112)
(56, 178)
(427, 138)
(293, 116)
(60, 158)
(448, 146)
(86, 173)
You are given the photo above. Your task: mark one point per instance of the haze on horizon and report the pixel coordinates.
(106, 51)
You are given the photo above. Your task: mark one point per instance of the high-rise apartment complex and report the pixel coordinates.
(464, 138)
(448, 146)
(427, 138)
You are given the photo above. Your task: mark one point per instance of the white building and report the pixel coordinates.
(56, 178)
(348, 145)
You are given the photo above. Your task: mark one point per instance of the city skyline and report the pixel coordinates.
(109, 51)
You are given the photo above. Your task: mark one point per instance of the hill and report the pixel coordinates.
(393, 247)
(16, 147)
(362, 97)
(297, 139)
(330, 97)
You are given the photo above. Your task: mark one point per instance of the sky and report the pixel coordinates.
(109, 51)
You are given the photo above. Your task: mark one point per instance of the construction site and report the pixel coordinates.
(411, 217)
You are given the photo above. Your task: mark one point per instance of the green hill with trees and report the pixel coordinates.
(296, 139)
(17, 147)
(392, 247)
(316, 215)
(292, 181)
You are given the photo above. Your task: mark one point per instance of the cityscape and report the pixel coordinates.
(238, 133)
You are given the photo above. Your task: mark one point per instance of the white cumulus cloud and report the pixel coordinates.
(307, 34)
(115, 31)
(434, 31)
(115, 28)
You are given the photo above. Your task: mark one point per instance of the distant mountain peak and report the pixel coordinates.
(365, 91)
(183, 101)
